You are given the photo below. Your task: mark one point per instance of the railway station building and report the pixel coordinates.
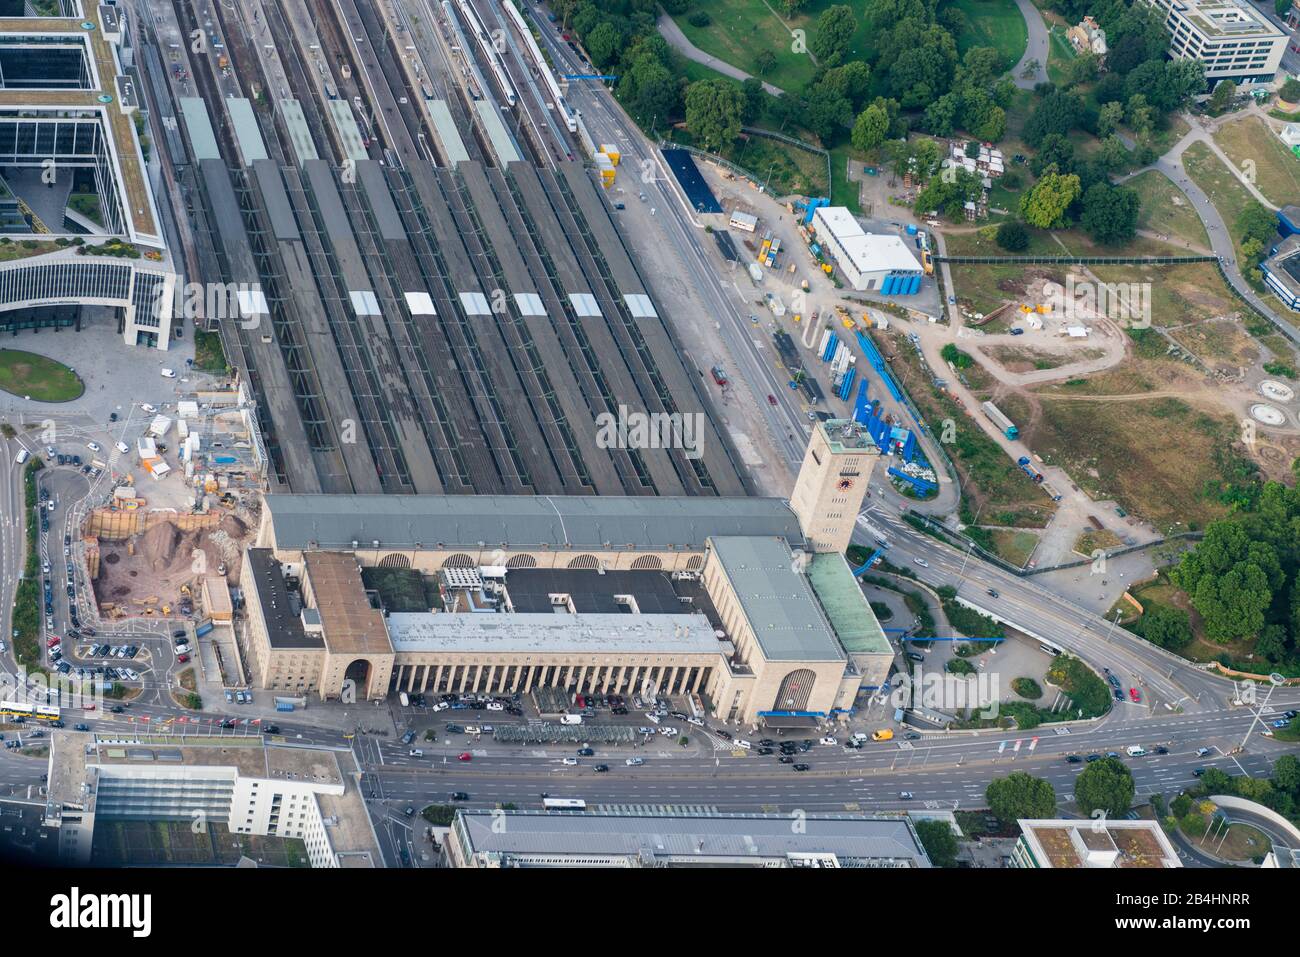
(745, 601)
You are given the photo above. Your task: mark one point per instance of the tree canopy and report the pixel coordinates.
(1020, 795)
(1105, 785)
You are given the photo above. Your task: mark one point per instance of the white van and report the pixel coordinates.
(416, 753)
(743, 744)
(654, 718)
(571, 719)
(123, 447)
(1135, 750)
(22, 456)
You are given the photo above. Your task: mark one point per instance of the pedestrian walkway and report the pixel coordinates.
(661, 809)
(672, 33)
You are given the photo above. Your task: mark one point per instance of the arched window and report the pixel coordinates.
(796, 689)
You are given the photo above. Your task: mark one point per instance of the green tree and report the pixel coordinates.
(1110, 213)
(1282, 7)
(1020, 795)
(1044, 206)
(1141, 117)
(1082, 69)
(1105, 785)
(1166, 626)
(851, 81)
(1224, 91)
(649, 91)
(1231, 580)
(1286, 773)
(870, 128)
(1109, 117)
(832, 33)
(1058, 112)
(953, 355)
(605, 43)
(827, 114)
(941, 115)
(713, 109)
(1113, 157)
(755, 99)
(1012, 236)
(764, 62)
(1290, 90)
(939, 842)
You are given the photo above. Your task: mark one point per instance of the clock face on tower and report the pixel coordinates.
(846, 484)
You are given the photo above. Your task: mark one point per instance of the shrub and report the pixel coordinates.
(960, 666)
(1012, 236)
(1026, 688)
(699, 18)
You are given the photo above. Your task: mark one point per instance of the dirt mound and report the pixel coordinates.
(158, 545)
(233, 527)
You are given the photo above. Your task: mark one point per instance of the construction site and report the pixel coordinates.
(151, 563)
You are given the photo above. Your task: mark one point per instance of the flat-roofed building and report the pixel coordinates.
(1093, 844)
(1282, 272)
(240, 782)
(1234, 40)
(68, 94)
(628, 840)
(639, 595)
(871, 262)
(216, 598)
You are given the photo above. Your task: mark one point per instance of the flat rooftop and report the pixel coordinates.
(846, 435)
(280, 610)
(683, 839)
(777, 600)
(584, 634)
(530, 590)
(247, 756)
(846, 607)
(606, 522)
(127, 155)
(1085, 844)
(350, 623)
(1226, 19)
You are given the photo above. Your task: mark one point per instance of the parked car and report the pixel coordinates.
(1073, 759)
(1135, 695)
(464, 756)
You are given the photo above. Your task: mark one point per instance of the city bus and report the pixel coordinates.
(564, 804)
(42, 712)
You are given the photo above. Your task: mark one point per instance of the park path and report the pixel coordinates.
(672, 33)
(1036, 49)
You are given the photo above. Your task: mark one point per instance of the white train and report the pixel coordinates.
(543, 68)
(489, 51)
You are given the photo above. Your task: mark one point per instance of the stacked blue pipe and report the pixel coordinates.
(831, 344)
(847, 385)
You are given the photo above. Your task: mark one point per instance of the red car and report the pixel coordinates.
(182, 658)
(1133, 693)
(772, 399)
(464, 756)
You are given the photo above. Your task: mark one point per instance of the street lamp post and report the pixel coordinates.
(1275, 680)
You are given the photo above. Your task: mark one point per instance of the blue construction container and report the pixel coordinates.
(911, 229)
(1288, 220)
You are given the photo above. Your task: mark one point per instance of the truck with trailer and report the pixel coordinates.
(1028, 468)
(995, 416)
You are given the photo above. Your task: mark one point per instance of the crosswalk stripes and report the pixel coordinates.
(660, 809)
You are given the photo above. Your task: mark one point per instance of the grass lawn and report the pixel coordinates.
(209, 356)
(1230, 198)
(1166, 210)
(1152, 456)
(1014, 545)
(845, 191)
(1059, 54)
(27, 374)
(24, 248)
(994, 23)
(741, 29)
(1277, 171)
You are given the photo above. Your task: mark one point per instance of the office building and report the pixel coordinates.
(637, 839)
(1234, 40)
(240, 782)
(69, 94)
(1096, 843)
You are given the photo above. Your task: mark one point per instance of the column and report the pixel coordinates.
(464, 677)
(519, 674)
(671, 687)
(410, 677)
(491, 679)
(582, 677)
